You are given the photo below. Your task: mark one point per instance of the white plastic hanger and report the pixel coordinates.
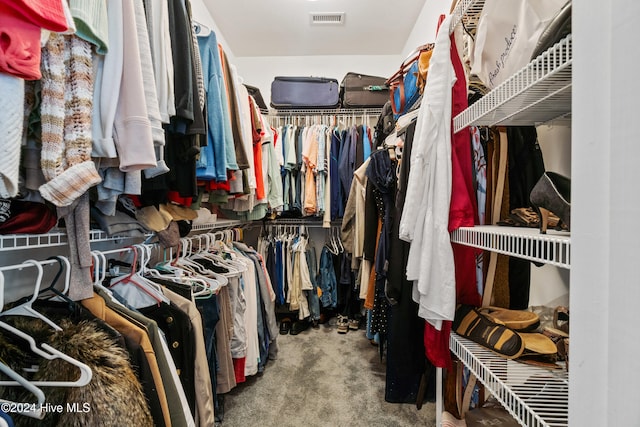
(45, 351)
(18, 379)
(26, 308)
(50, 353)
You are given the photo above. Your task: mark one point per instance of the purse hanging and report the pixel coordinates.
(407, 84)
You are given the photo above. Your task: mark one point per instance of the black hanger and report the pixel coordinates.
(71, 304)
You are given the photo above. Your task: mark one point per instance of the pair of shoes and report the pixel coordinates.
(299, 326)
(343, 324)
(470, 323)
(354, 324)
(285, 326)
(552, 193)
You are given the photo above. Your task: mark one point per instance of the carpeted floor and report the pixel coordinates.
(321, 378)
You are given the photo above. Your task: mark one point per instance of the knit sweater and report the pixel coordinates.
(67, 97)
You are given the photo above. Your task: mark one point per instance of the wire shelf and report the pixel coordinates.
(218, 225)
(536, 397)
(538, 93)
(467, 12)
(552, 248)
(56, 237)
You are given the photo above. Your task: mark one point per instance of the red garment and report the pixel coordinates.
(257, 134)
(47, 14)
(214, 185)
(19, 46)
(238, 369)
(436, 344)
(174, 196)
(463, 210)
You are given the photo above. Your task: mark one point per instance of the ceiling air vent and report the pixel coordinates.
(327, 18)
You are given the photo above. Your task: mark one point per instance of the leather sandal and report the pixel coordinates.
(518, 320)
(477, 327)
(540, 350)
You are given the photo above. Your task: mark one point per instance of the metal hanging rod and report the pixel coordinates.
(326, 112)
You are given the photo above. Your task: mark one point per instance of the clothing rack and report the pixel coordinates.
(329, 117)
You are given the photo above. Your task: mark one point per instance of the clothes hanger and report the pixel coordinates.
(200, 29)
(64, 265)
(32, 410)
(46, 351)
(49, 353)
(26, 308)
(20, 380)
(135, 279)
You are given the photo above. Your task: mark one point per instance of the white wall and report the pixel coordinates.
(549, 284)
(200, 14)
(605, 368)
(260, 71)
(424, 30)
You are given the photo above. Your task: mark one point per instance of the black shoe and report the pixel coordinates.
(285, 326)
(299, 326)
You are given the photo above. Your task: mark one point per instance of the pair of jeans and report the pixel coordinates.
(327, 280)
(312, 295)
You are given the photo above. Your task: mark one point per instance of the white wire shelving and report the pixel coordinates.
(538, 93)
(218, 225)
(553, 248)
(56, 237)
(536, 397)
(467, 12)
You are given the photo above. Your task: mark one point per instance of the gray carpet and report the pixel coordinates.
(321, 378)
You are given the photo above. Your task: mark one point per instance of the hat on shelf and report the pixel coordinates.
(24, 217)
(179, 212)
(153, 219)
(204, 217)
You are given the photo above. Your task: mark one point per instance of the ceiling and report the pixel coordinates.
(283, 28)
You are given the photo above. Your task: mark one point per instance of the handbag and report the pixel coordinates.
(507, 34)
(407, 84)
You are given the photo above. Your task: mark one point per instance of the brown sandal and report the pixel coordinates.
(518, 320)
(472, 324)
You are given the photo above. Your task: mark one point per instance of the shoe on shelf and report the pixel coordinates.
(343, 324)
(552, 193)
(354, 324)
(518, 320)
(470, 323)
(285, 326)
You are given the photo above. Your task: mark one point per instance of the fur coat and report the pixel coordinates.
(114, 396)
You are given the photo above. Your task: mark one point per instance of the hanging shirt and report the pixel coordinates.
(425, 217)
(212, 164)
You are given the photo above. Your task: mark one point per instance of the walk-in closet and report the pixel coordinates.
(318, 213)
